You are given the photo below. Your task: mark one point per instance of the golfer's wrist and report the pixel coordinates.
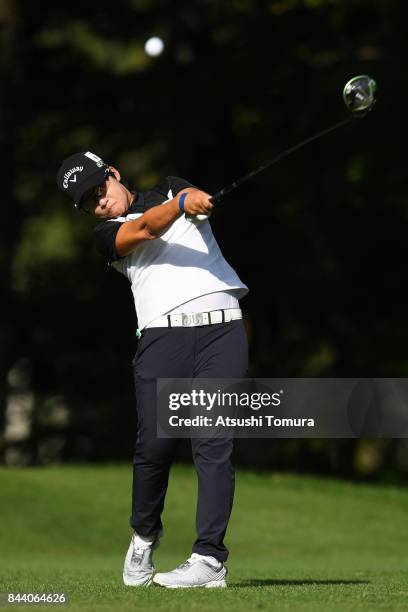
(181, 201)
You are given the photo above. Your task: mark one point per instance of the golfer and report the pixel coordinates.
(189, 326)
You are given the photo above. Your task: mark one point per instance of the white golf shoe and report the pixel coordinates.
(138, 569)
(197, 571)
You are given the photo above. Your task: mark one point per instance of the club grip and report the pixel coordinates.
(216, 198)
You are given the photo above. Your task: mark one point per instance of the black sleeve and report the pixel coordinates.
(176, 184)
(105, 235)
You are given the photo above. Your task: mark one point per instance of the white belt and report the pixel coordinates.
(195, 319)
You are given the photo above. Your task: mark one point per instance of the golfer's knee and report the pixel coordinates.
(152, 454)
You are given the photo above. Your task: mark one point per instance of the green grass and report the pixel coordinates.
(297, 543)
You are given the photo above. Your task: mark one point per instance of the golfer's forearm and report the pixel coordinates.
(158, 218)
(149, 226)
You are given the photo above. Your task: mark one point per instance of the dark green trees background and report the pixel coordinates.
(319, 239)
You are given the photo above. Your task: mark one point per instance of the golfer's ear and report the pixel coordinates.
(115, 172)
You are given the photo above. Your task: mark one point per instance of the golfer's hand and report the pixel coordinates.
(197, 202)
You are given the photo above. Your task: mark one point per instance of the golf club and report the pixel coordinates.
(359, 98)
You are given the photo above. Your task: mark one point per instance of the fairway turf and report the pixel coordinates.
(297, 543)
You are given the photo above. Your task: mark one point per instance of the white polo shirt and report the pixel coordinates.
(182, 264)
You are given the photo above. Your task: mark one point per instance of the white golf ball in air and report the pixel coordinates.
(154, 46)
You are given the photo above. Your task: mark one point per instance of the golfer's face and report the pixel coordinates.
(108, 200)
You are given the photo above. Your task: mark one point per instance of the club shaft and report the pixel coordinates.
(220, 194)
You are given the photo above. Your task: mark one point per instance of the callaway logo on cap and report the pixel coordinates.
(79, 173)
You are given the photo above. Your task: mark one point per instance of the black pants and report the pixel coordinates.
(213, 351)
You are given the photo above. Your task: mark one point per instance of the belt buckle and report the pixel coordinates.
(186, 320)
(199, 319)
(191, 319)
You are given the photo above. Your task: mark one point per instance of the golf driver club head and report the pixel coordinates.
(359, 94)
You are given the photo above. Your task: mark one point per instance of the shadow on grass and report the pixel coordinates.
(270, 582)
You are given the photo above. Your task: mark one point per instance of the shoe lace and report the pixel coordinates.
(189, 561)
(185, 564)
